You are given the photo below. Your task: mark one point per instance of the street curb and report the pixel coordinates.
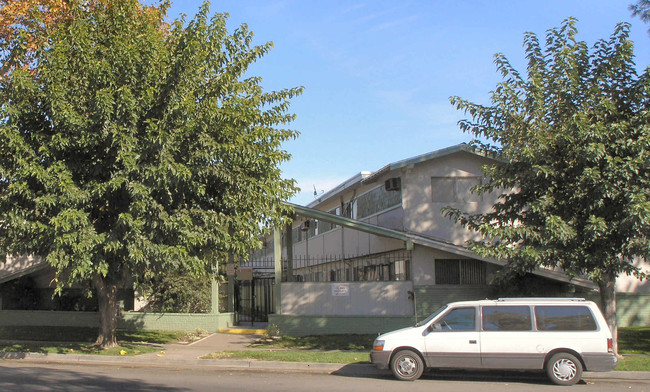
(162, 362)
(350, 370)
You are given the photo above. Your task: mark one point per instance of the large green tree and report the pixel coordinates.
(130, 147)
(574, 178)
(641, 9)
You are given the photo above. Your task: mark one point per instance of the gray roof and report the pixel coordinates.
(366, 177)
(411, 239)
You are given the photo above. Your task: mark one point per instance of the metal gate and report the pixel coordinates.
(254, 300)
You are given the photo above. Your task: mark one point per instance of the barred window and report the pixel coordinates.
(389, 266)
(460, 272)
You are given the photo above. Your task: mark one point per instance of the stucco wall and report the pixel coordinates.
(422, 215)
(337, 325)
(130, 320)
(12, 267)
(630, 284)
(362, 299)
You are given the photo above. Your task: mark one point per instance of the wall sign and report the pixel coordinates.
(341, 290)
(244, 274)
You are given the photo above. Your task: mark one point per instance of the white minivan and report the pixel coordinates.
(562, 336)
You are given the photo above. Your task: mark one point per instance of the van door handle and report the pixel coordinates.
(472, 342)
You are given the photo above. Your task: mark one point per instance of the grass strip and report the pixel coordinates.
(86, 335)
(634, 340)
(73, 340)
(343, 357)
(350, 342)
(123, 349)
(634, 363)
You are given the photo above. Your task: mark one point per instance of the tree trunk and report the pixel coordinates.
(608, 306)
(107, 299)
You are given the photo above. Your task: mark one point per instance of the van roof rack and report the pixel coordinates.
(542, 299)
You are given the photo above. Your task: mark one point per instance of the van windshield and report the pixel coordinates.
(431, 317)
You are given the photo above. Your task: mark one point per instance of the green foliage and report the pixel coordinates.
(574, 142)
(511, 283)
(641, 9)
(272, 331)
(634, 340)
(176, 292)
(137, 147)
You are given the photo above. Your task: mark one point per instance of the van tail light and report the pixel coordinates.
(610, 345)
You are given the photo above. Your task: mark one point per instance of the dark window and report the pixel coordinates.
(323, 226)
(460, 319)
(460, 272)
(506, 318)
(564, 318)
(447, 271)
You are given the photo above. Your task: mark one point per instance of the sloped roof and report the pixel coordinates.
(463, 147)
(15, 267)
(366, 177)
(411, 239)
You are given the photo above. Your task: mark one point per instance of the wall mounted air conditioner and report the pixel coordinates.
(393, 184)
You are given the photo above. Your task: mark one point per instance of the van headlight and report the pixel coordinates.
(378, 345)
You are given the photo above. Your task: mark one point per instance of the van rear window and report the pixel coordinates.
(506, 318)
(564, 318)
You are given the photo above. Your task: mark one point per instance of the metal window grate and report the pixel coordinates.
(388, 266)
(460, 272)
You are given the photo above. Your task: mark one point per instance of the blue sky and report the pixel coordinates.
(378, 74)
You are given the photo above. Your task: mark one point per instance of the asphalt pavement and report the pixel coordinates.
(188, 356)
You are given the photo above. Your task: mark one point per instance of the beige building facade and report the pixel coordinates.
(348, 275)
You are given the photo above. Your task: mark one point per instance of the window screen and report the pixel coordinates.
(443, 189)
(454, 189)
(377, 200)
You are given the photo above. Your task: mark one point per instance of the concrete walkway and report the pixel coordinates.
(210, 344)
(181, 356)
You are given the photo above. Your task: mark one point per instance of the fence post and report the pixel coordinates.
(288, 234)
(277, 256)
(214, 287)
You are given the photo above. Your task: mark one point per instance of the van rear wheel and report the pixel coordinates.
(564, 369)
(407, 365)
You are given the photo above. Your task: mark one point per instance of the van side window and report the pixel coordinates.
(506, 318)
(564, 318)
(459, 319)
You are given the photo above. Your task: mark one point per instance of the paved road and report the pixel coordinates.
(21, 376)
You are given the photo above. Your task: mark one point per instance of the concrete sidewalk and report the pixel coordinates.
(181, 356)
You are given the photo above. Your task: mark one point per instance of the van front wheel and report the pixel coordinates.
(407, 365)
(564, 369)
